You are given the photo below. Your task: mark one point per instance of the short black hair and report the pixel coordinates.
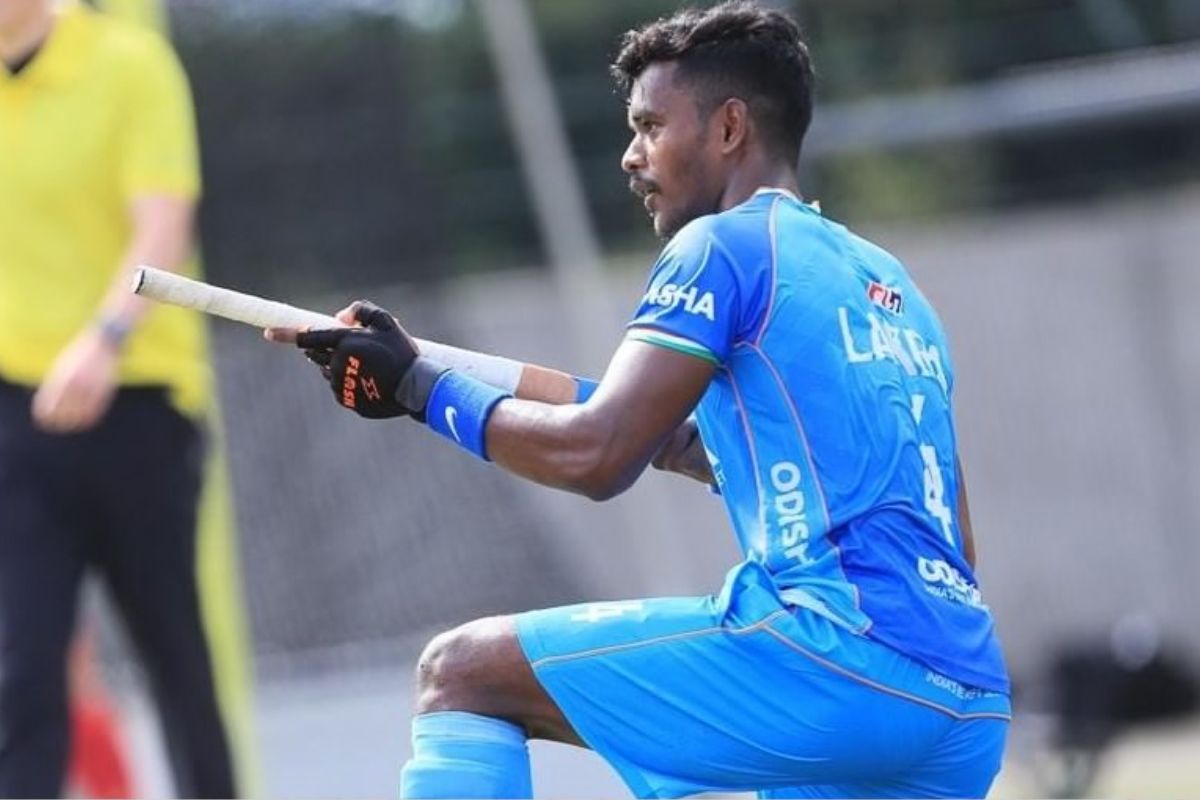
(734, 49)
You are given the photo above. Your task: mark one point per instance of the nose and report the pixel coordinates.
(634, 158)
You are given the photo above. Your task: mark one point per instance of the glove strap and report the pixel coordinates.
(459, 407)
(414, 388)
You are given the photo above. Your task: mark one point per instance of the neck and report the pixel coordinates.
(753, 176)
(21, 34)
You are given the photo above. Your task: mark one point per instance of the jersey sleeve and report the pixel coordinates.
(158, 151)
(692, 301)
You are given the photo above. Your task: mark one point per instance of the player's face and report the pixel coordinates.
(671, 162)
(21, 12)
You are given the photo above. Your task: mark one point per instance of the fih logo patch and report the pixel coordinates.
(885, 297)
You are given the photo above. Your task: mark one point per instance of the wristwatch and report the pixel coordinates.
(113, 329)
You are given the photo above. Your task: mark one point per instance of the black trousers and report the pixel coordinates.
(120, 499)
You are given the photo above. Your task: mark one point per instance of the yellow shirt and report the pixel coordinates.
(102, 115)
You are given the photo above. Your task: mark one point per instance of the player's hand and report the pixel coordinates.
(683, 452)
(79, 387)
(373, 367)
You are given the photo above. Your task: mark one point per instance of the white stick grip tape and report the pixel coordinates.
(168, 287)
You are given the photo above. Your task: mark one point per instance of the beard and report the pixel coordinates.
(669, 222)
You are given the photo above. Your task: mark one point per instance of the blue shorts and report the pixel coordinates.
(743, 692)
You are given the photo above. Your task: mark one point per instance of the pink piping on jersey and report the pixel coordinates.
(745, 415)
(757, 348)
(812, 467)
(755, 345)
(808, 457)
(762, 330)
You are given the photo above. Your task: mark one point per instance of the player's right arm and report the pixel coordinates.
(964, 516)
(682, 453)
(599, 448)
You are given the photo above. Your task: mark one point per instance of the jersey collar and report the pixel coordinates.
(815, 205)
(776, 190)
(62, 54)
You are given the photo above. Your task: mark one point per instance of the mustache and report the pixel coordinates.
(642, 187)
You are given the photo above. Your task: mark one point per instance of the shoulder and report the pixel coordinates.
(131, 51)
(888, 269)
(692, 239)
(742, 234)
(876, 254)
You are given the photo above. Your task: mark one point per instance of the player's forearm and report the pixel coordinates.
(565, 447)
(597, 448)
(162, 236)
(682, 453)
(525, 381)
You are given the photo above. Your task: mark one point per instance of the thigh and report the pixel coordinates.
(685, 695)
(41, 569)
(42, 554)
(963, 764)
(146, 547)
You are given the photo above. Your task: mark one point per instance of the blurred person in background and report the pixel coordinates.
(100, 450)
(796, 369)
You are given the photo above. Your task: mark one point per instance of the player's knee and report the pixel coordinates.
(435, 663)
(449, 670)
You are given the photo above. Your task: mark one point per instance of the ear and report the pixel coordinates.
(733, 119)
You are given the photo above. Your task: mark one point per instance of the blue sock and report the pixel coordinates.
(462, 755)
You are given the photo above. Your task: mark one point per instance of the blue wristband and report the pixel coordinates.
(584, 389)
(459, 407)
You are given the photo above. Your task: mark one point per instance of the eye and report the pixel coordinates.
(642, 124)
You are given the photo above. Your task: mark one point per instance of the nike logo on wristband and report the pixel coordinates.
(451, 415)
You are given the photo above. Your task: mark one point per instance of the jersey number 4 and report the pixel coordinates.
(935, 484)
(935, 492)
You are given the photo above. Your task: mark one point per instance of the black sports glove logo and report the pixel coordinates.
(365, 366)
